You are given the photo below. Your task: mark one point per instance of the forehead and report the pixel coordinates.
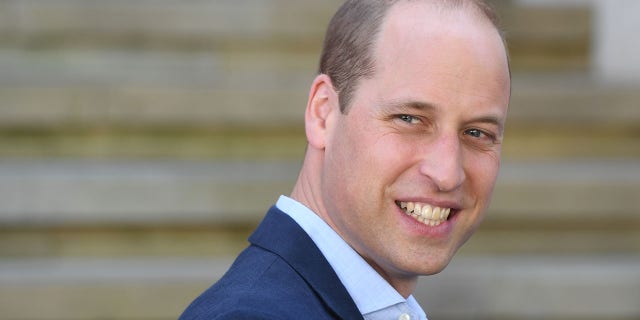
(424, 26)
(451, 51)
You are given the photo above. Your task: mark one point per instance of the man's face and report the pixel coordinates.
(423, 134)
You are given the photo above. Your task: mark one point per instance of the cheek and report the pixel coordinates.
(390, 156)
(347, 164)
(482, 172)
(368, 162)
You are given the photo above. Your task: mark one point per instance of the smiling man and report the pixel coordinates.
(404, 126)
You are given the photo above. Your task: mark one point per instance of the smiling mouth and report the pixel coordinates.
(425, 213)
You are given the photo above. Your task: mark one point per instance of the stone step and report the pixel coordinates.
(549, 37)
(120, 88)
(63, 192)
(479, 287)
(526, 235)
(559, 34)
(178, 91)
(68, 191)
(138, 192)
(164, 23)
(154, 69)
(80, 208)
(151, 143)
(212, 114)
(131, 79)
(534, 287)
(103, 288)
(523, 142)
(157, 107)
(572, 99)
(117, 240)
(528, 142)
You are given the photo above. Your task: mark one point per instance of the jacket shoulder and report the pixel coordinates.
(259, 285)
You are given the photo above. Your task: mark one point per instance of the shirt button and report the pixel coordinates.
(404, 316)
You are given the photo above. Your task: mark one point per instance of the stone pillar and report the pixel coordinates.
(616, 41)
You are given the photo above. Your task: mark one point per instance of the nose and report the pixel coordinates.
(442, 163)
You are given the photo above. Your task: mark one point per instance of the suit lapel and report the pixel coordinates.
(280, 234)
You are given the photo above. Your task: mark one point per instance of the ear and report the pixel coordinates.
(322, 104)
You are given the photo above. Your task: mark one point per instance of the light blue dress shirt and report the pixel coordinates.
(375, 297)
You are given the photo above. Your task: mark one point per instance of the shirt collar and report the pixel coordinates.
(368, 289)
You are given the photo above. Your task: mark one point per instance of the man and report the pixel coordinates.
(404, 126)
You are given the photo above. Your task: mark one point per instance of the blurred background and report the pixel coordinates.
(142, 141)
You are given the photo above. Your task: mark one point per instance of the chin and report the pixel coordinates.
(434, 269)
(429, 267)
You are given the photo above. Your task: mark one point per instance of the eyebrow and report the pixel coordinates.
(490, 119)
(411, 104)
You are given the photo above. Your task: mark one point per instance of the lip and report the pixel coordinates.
(414, 226)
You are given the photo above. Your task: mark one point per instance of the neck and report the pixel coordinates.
(307, 188)
(405, 285)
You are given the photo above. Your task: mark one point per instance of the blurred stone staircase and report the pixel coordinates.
(141, 141)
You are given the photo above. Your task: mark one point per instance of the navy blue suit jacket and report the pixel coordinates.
(281, 275)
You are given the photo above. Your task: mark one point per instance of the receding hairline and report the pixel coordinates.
(479, 10)
(347, 66)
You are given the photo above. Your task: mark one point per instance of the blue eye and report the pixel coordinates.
(481, 137)
(408, 118)
(474, 133)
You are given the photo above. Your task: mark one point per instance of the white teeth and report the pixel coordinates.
(436, 213)
(444, 214)
(410, 206)
(425, 213)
